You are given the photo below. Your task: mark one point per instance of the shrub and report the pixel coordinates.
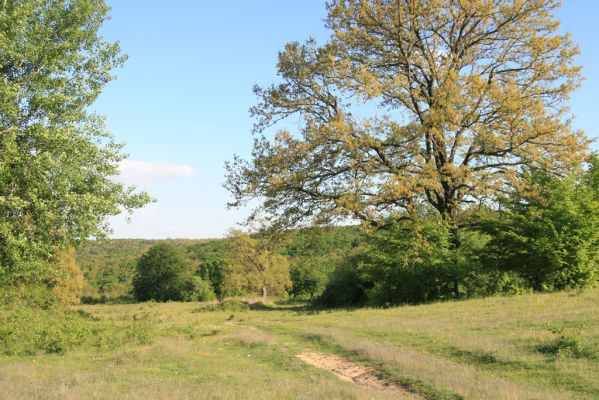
(26, 330)
(225, 305)
(200, 291)
(345, 288)
(550, 236)
(414, 262)
(31, 296)
(480, 283)
(567, 344)
(309, 277)
(122, 299)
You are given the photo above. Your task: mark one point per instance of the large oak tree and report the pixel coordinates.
(412, 105)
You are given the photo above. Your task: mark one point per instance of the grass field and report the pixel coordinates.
(541, 346)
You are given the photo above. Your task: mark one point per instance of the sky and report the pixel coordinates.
(180, 103)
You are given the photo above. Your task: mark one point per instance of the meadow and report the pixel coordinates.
(533, 346)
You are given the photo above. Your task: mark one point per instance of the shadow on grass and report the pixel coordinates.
(296, 307)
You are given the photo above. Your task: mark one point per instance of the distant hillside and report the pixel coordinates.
(109, 265)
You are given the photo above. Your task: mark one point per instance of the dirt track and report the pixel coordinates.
(349, 371)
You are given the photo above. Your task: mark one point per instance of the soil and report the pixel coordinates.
(349, 371)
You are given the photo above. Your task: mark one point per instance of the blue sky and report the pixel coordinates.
(180, 103)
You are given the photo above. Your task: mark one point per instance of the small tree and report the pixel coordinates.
(164, 273)
(255, 267)
(212, 270)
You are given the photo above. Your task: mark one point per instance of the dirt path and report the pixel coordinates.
(341, 367)
(349, 371)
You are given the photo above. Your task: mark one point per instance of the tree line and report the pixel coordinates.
(541, 241)
(297, 264)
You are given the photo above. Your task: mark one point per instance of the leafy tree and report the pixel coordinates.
(254, 267)
(416, 262)
(56, 157)
(412, 105)
(314, 253)
(412, 263)
(212, 270)
(346, 286)
(164, 273)
(550, 236)
(591, 177)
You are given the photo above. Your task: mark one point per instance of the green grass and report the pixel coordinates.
(541, 346)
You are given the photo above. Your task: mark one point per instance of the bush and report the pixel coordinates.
(481, 283)
(28, 330)
(550, 237)
(103, 299)
(164, 274)
(30, 296)
(309, 277)
(212, 270)
(567, 344)
(415, 262)
(345, 288)
(200, 291)
(225, 305)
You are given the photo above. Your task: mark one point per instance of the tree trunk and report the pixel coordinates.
(263, 293)
(454, 242)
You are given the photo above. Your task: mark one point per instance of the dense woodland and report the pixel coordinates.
(109, 267)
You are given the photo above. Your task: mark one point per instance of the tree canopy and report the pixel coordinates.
(56, 158)
(254, 267)
(412, 106)
(165, 273)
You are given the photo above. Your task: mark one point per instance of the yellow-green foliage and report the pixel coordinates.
(255, 268)
(69, 280)
(412, 103)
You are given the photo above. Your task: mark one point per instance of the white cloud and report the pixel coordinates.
(135, 172)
